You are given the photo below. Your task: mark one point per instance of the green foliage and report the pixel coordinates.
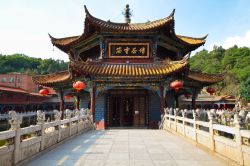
(23, 64)
(235, 62)
(245, 89)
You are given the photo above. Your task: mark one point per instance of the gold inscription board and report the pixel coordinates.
(128, 50)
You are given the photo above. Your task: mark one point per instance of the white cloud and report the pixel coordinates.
(240, 41)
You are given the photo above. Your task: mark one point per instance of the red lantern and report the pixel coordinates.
(68, 96)
(79, 85)
(187, 95)
(211, 90)
(176, 85)
(44, 92)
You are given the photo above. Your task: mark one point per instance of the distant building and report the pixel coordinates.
(207, 101)
(18, 80)
(20, 100)
(19, 92)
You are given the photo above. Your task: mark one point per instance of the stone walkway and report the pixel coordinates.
(127, 147)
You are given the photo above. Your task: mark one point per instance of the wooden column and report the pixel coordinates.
(77, 101)
(162, 100)
(92, 104)
(176, 101)
(193, 98)
(61, 102)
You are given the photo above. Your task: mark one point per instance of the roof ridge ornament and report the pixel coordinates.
(127, 13)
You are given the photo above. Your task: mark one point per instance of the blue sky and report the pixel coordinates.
(25, 24)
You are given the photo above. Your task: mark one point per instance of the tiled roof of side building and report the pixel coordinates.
(52, 78)
(205, 77)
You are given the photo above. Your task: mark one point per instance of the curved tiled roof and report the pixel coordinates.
(52, 78)
(129, 69)
(114, 70)
(205, 78)
(108, 25)
(98, 24)
(192, 40)
(63, 41)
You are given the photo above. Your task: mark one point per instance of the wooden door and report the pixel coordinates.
(139, 110)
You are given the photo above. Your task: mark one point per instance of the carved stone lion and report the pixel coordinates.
(40, 117)
(15, 121)
(57, 115)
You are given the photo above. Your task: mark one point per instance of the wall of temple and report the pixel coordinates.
(154, 110)
(85, 101)
(100, 111)
(170, 99)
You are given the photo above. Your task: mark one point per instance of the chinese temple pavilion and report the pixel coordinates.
(127, 68)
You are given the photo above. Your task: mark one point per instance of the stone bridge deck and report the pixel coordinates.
(127, 147)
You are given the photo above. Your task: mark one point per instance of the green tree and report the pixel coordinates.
(245, 89)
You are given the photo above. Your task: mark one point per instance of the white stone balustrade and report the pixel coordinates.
(24, 143)
(232, 142)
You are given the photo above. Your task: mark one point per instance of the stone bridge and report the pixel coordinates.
(127, 147)
(72, 141)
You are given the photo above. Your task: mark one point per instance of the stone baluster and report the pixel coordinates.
(238, 139)
(15, 122)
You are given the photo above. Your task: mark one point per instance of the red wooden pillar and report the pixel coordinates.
(92, 100)
(61, 103)
(77, 102)
(162, 99)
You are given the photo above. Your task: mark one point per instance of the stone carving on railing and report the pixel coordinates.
(57, 115)
(15, 121)
(77, 112)
(221, 116)
(40, 117)
(68, 113)
(231, 141)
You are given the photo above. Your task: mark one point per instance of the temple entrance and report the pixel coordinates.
(127, 108)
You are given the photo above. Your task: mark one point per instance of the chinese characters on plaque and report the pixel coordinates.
(128, 50)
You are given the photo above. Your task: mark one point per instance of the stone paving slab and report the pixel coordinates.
(124, 147)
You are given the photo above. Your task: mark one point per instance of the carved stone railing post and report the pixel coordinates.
(175, 120)
(169, 119)
(238, 137)
(68, 116)
(57, 116)
(211, 130)
(183, 122)
(164, 125)
(194, 125)
(15, 123)
(78, 115)
(40, 121)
